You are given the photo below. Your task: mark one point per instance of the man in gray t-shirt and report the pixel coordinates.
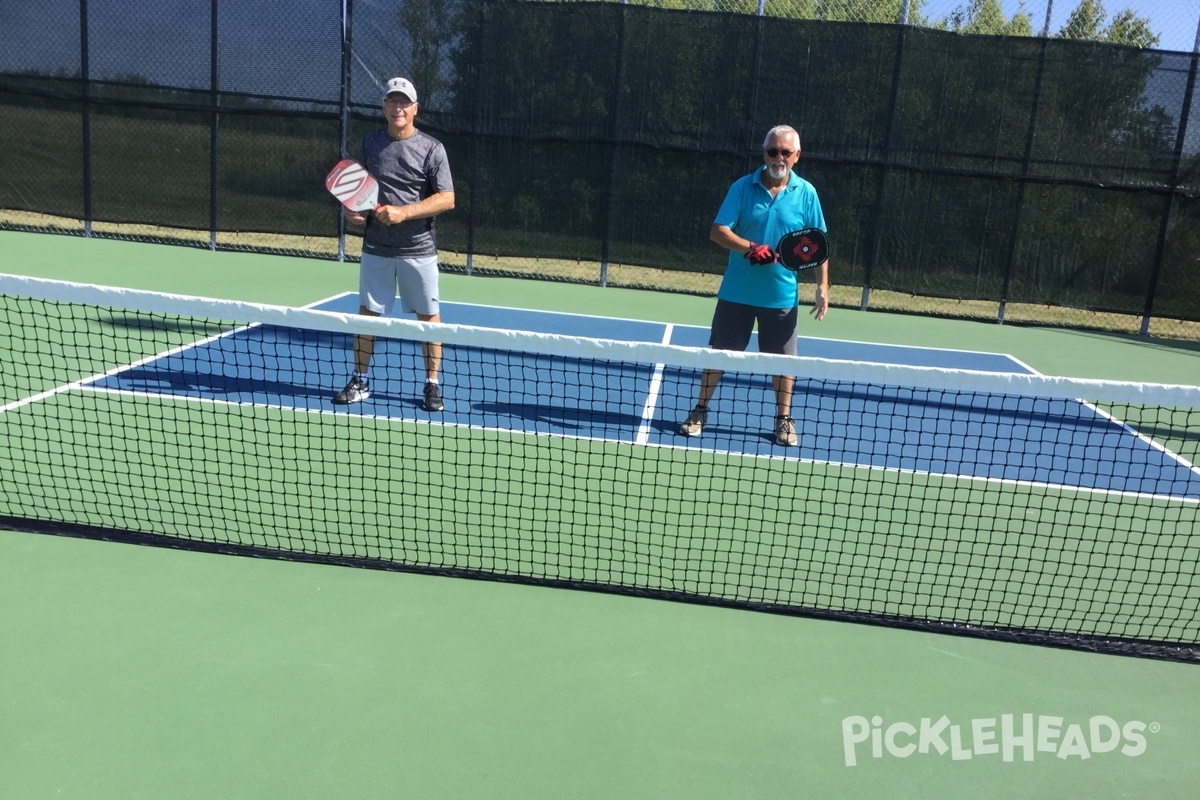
(400, 243)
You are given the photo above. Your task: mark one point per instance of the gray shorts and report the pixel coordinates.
(734, 322)
(380, 279)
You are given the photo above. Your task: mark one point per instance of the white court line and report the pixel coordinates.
(99, 376)
(84, 383)
(1171, 454)
(643, 433)
(1146, 439)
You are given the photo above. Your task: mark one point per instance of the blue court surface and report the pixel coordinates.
(1054, 443)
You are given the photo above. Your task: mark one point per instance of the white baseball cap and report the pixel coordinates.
(402, 85)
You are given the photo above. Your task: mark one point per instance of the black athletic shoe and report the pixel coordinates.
(433, 398)
(695, 422)
(355, 391)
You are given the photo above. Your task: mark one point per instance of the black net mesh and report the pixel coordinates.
(1019, 507)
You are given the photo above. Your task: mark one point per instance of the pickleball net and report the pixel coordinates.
(1013, 506)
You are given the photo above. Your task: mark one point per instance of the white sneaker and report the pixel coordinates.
(785, 431)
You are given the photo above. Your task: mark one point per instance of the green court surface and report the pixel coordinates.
(130, 672)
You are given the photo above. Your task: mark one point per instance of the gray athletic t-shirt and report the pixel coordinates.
(408, 171)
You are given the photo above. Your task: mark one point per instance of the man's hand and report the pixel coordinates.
(354, 217)
(821, 304)
(761, 254)
(391, 215)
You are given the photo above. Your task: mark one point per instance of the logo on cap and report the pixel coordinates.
(401, 85)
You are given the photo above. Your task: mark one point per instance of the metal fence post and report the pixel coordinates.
(885, 161)
(614, 131)
(1160, 245)
(86, 113)
(1046, 25)
(214, 91)
(344, 113)
(477, 134)
(1026, 162)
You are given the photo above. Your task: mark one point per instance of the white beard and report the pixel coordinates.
(778, 171)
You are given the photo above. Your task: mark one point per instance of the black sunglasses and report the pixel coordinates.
(776, 151)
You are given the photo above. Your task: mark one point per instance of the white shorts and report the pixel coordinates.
(414, 279)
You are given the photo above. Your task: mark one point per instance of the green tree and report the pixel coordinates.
(978, 16)
(884, 11)
(1128, 28)
(1085, 22)
(987, 17)
(1020, 25)
(791, 9)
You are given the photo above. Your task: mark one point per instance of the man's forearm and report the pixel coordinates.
(430, 206)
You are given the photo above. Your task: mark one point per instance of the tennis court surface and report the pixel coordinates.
(209, 429)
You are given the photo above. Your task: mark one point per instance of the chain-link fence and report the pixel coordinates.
(1043, 179)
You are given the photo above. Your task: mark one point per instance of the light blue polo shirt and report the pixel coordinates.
(751, 212)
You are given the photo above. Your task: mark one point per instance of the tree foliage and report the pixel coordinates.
(987, 17)
(1086, 22)
(1128, 28)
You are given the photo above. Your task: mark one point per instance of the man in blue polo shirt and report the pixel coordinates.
(762, 207)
